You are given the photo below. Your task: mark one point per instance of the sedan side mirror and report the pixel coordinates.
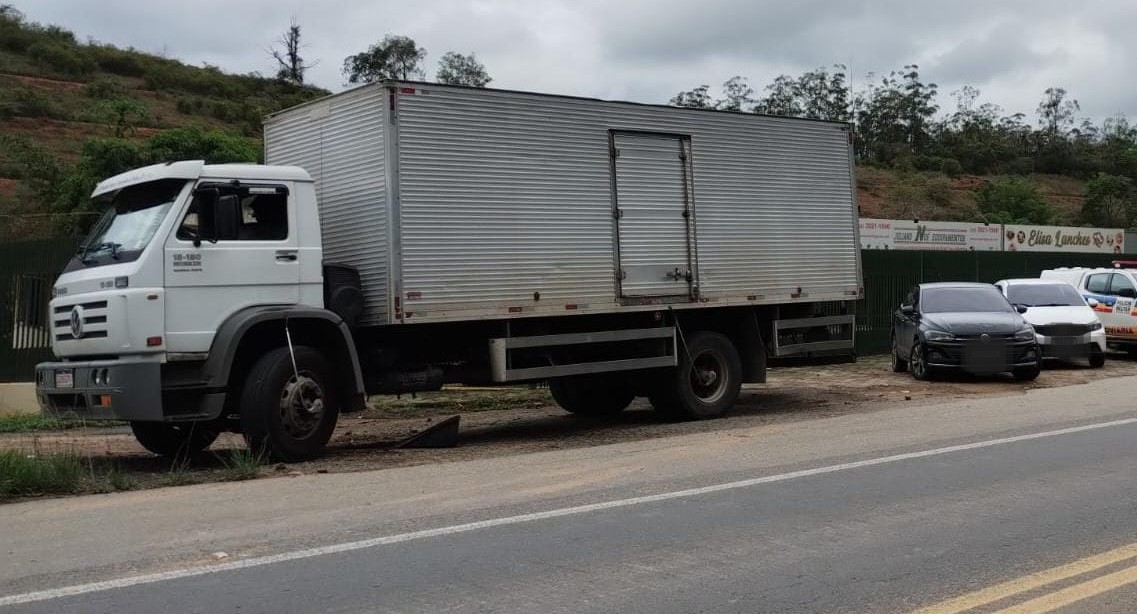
(1093, 303)
(1021, 308)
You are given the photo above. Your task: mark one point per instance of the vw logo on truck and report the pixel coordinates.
(77, 322)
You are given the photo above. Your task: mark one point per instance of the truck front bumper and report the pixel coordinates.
(101, 390)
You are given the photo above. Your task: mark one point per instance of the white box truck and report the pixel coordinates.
(406, 235)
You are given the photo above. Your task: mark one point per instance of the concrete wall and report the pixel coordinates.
(18, 399)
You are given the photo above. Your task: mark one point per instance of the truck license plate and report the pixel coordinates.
(65, 379)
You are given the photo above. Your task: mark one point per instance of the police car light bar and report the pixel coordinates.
(1125, 264)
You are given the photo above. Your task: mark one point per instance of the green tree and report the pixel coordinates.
(1111, 201)
(394, 57)
(895, 116)
(817, 94)
(781, 98)
(197, 143)
(123, 115)
(737, 96)
(698, 98)
(457, 69)
(1056, 112)
(1013, 201)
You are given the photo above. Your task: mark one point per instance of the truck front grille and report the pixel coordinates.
(80, 321)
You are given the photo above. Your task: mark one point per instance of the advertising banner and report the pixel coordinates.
(1023, 238)
(907, 234)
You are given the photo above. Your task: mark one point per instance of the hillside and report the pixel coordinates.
(888, 193)
(57, 94)
(72, 113)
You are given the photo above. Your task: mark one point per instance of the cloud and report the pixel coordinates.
(646, 50)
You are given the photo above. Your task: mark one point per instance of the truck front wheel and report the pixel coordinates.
(592, 395)
(707, 382)
(288, 412)
(174, 439)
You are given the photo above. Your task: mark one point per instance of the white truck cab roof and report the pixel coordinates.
(194, 169)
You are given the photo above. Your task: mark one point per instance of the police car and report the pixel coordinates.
(1112, 293)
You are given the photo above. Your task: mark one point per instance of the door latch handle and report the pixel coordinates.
(678, 275)
(286, 256)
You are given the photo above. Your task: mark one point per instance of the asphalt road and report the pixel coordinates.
(1021, 502)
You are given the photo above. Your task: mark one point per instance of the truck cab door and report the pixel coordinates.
(233, 249)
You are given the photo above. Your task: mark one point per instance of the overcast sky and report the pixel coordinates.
(646, 50)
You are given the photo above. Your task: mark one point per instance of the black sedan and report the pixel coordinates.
(968, 327)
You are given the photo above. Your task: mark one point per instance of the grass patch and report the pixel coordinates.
(242, 464)
(23, 474)
(31, 423)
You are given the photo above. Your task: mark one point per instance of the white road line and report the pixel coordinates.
(80, 589)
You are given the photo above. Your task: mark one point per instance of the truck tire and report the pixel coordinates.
(175, 439)
(592, 395)
(706, 383)
(285, 415)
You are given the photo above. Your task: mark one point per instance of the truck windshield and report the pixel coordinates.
(133, 215)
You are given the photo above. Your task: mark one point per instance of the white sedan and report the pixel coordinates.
(1064, 322)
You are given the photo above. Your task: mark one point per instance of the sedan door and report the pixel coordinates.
(904, 326)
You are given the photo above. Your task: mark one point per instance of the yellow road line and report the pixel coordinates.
(1030, 582)
(1075, 593)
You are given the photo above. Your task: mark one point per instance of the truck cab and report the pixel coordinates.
(144, 314)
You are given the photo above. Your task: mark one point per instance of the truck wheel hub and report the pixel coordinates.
(301, 405)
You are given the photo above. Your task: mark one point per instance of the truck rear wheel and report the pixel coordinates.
(592, 395)
(706, 383)
(174, 439)
(286, 414)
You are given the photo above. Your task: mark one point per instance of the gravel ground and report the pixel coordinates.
(504, 421)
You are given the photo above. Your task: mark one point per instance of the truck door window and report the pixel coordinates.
(1122, 286)
(1098, 283)
(264, 217)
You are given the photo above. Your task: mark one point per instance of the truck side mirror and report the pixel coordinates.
(226, 217)
(205, 203)
(907, 310)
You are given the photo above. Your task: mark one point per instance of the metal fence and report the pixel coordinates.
(888, 275)
(28, 268)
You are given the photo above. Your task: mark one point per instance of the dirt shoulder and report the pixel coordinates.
(506, 421)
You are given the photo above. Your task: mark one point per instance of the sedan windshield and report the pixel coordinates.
(949, 300)
(1044, 295)
(133, 215)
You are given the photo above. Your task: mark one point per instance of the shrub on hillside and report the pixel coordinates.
(122, 62)
(27, 102)
(1014, 201)
(107, 88)
(62, 59)
(1110, 201)
(197, 143)
(951, 167)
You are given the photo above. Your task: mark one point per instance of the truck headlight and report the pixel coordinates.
(938, 335)
(1026, 334)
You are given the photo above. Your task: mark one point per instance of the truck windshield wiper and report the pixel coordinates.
(94, 249)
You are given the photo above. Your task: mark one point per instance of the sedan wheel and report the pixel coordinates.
(917, 364)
